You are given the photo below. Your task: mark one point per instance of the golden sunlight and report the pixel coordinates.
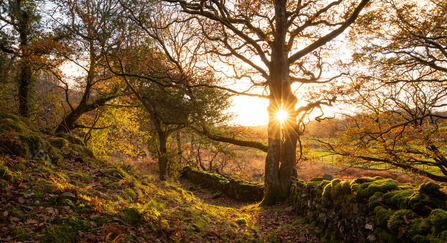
(281, 115)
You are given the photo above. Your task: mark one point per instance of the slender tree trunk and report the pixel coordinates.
(25, 69)
(162, 154)
(179, 148)
(24, 88)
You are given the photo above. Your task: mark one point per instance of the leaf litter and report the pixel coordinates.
(87, 200)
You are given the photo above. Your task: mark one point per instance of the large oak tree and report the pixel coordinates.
(274, 44)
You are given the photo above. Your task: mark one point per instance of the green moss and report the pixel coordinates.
(22, 234)
(33, 141)
(420, 239)
(397, 222)
(58, 160)
(437, 238)
(438, 218)
(241, 221)
(117, 172)
(425, 226)
(67, 232)
(375, 200)
(383, 215)
(336, 189)
(386, 236)
(131, 193)
(346, 187)
(3, 183)
(71, 138)
(299, 221)
(368, 188)
(10, 124)
(414, 228)
(58, 142)
(326, 195)
(398, 198)
(19, 167)
(131, 216)
(7, 174)
(426, 198)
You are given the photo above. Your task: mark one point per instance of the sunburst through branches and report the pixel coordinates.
(281, 115)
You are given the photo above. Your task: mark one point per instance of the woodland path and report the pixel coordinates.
(276, 220)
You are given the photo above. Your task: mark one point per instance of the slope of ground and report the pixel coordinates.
(53, 190)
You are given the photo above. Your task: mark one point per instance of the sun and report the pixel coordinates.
(281, 116)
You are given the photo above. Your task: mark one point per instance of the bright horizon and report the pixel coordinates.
(250, 111)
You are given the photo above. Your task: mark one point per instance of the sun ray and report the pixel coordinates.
(281, 115)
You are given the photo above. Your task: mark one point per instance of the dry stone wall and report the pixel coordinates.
(372, 210)
(234, 188)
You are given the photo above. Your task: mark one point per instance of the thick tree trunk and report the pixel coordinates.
(288, 157)
(273, 190)
(278, 83)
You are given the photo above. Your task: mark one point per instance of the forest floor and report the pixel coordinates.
(86, 201)
(278, 223)
(83, 199)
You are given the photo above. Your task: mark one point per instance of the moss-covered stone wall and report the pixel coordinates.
(372, 210)
(234, 188)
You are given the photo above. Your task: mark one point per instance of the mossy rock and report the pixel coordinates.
(336, 189)
(438, 218)
(398, 198)
(383, 215)
(397, 221)
(58, 142)
(8, 125)
(386, 236)
(362, 180)
(71, 138)
(376, 184)
(33, 141)
(428, 197)
(375, 200)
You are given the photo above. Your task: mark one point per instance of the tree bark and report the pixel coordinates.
(25, 67)
(24, 88)
(278, 83)
(162, 152)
